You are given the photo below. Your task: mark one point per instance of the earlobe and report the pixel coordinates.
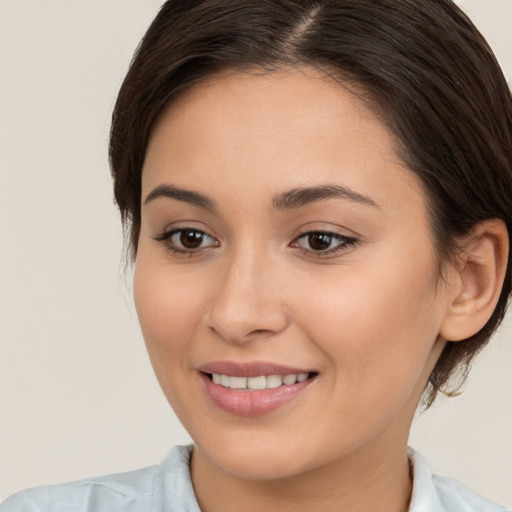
(478, 280)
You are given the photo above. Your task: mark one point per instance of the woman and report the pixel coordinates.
(317, 196)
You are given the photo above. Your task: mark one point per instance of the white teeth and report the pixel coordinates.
(238, 382)
(257, 382)
(290, 379)
(261, 382)
(274, 381)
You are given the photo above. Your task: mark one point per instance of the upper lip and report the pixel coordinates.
(250, 369)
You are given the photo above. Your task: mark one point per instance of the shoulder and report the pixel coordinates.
(454, 495)
(432, 493)
(134, 491)
(123, 491)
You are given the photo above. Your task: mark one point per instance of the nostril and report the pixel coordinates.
(259, 331)
(240, 333)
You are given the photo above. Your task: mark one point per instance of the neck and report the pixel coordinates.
(374, 480)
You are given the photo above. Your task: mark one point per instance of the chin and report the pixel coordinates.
(258, 459)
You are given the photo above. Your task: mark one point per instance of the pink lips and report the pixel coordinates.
(243, 402)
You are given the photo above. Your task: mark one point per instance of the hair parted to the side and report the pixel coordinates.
(423, 66)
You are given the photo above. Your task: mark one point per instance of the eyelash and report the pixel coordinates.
(167, 237)
(344, 242)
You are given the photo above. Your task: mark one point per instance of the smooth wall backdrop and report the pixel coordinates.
(77, 394)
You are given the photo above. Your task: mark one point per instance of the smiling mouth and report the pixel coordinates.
(253, 388)
(258, 383)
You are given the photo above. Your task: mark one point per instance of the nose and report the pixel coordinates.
(249, 302)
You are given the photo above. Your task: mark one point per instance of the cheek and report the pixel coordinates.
(168, 310)
(376, 326)
(169, 314)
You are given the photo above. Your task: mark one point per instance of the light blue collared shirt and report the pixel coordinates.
(168, 488)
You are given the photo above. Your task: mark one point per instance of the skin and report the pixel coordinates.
(367, 317)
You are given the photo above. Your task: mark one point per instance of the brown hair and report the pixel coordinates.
(423, 64)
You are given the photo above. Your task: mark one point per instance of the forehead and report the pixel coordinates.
(287, 95)
(286, 129)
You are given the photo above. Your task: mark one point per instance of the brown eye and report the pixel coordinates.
(191, 239)
(323, 242)
(187, 240)
(319, 241)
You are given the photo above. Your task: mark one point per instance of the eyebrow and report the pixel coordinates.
(180, 194)
(299, 197)
(292, 199)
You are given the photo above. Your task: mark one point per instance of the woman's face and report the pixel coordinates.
(282, 239)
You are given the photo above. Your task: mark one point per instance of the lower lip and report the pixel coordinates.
(252, 403)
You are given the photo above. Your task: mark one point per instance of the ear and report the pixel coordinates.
(475, 284)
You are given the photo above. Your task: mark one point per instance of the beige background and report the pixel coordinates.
(77, 394)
